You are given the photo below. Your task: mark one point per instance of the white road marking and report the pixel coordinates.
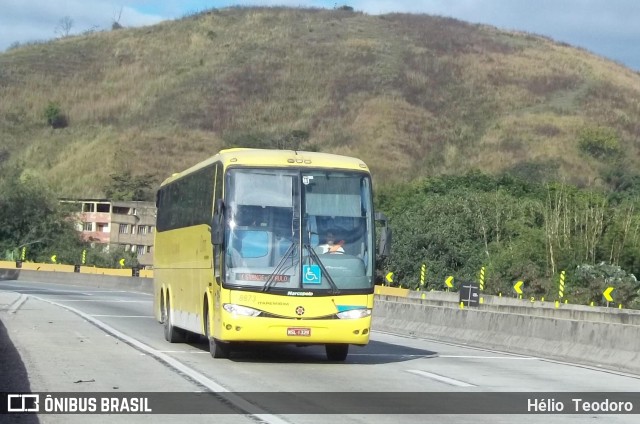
(84, 292)
(525, 358)
(441, 378)
(13, 308)
(73, 288)
(393, 354)
(502, 352)
(105, 300)
(123, 316)
(32, 290)
(203, 380)
(461, 345)
(430, 356)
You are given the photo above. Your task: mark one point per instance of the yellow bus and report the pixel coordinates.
(241, 251)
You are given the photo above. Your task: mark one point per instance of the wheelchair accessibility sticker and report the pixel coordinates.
(311, 274)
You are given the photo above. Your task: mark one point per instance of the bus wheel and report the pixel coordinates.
(218, 349)
(337, 352)
(171, 334)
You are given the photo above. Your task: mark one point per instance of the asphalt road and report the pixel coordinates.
(59, 338)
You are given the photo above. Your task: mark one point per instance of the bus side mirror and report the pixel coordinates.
(217, 224)
(384, 249)
(384, 246)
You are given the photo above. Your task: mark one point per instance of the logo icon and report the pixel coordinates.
(311, 274)
(23, 403)
(300, 310)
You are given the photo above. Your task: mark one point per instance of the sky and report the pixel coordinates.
(608, 28)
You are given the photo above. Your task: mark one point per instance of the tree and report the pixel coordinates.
(63, 29)
(31, 216)
(128, 187)
(116, 21)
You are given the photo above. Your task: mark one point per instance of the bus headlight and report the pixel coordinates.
(241, 310)
(354, 313)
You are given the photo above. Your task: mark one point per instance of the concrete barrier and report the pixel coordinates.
(83, 269)
(613, 346)
(543, 309)
(144, 285)
(9, 274)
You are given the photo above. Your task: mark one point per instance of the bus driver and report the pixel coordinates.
(331, 246)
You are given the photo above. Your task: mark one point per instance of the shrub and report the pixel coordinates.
(590, 281)
(55, 117)
(601, 143)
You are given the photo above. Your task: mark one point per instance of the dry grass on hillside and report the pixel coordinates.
(412, 95)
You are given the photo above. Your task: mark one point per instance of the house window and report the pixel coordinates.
(133, 229)
(102, 227)
(124, 229)
(140, 250)
(148, 249)
(120, 210)
(87, 226)
(142, 229)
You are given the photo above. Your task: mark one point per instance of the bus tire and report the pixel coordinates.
(218, 349)
(172, 334)
(337, 351)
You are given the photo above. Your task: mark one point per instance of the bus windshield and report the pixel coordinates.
(298, 232)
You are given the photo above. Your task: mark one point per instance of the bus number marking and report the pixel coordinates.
(247, 298)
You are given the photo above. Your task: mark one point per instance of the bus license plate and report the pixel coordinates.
(294, 331)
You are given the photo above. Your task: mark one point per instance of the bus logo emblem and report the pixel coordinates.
(300, 310)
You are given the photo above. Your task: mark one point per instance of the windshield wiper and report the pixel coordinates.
(280, 267)
(316, 259)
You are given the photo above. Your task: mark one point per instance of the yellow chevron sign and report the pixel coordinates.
(607, 294)
(518, 287)
(449, 281)
(389, 277)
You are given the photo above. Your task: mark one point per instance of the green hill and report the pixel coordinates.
(412, 95)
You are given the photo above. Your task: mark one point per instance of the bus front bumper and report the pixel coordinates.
(280, 330)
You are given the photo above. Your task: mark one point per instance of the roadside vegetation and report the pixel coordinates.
(518, 229)
(34, 226)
